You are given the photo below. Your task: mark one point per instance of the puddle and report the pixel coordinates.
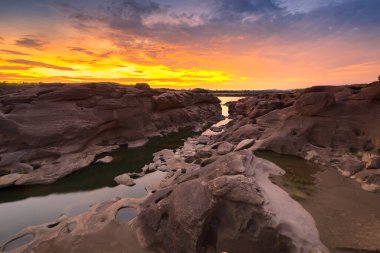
(17, 242)
(347, 217)
(299, 180)
(125, 214)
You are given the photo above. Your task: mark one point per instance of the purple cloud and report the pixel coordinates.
(31, 41)
(39, 64)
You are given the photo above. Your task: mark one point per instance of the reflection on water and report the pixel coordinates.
(18, 242)
(347, 217)
(299, 179)
(223, 122)
(24, 206)
(125, 214)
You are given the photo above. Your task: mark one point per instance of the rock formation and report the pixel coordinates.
(49, 131)
(334, 126)
(227, 204)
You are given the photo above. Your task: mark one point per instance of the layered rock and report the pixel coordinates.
(334, 126)
(49, 131)
(226, 205)
(260, 104)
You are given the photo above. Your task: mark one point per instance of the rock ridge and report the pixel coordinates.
(49, 131)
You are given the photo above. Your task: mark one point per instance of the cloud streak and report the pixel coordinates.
(12, 52)
(31, 41)
(39, 64)
(257, 42)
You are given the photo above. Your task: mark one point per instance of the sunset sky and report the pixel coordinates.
(217, 44)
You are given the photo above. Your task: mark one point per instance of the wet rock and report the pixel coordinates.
(125, 179)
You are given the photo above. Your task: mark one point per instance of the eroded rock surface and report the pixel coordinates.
(227, 205)
(49, 131)
(335, 126)
(209, 203)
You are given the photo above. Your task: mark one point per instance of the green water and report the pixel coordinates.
(24, 206)
(300, 177)
(347, 217)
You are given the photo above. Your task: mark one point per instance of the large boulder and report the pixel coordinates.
(227, 206)
(371, 92)
(313, 103)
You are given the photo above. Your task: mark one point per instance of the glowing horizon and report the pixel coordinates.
(216, 44)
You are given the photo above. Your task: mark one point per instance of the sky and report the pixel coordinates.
(215, 44)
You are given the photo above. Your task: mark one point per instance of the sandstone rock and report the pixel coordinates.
(49, 131)
(9, 180)
(229, 200)
(106, 159)
(216, 129)
(203, 140)
(244, 144)
(142, 86)
(203, 154)
(125, 179)
(350, 165)
(224, 148)
(310, 104)
(371, 92)
(78, 234)
(369, 180)
(344, 131)
(248, 131)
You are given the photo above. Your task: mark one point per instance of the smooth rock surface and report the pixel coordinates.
(229, 205)
(49, 131)
(125, 179)
(224, 148)
(310, 104)
(335, 126)
(106, 159)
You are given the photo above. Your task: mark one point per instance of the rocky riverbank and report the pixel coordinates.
(216, 197)
(49, 131)
(333, 126)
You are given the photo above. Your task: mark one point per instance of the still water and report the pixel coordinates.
(25, 206)
(347, 217)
